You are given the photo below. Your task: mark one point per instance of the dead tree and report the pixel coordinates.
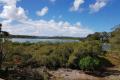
(3, 34)
(1, 46)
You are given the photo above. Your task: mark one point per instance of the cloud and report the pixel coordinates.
(99, 4)
(42, 12)
(48, 28)
(11, 12)
(76, 5)
(15, 21)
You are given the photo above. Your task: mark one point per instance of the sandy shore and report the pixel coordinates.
(68, 74)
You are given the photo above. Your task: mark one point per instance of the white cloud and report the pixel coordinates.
(11, 12)
(99, 4)
(47, 28)
(76, 5)
(9, 2)
(42, 12)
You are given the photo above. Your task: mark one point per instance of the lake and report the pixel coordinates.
(21, 40)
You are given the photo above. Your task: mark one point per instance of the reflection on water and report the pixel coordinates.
(21, 40)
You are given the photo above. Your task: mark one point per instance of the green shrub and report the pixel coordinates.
(72, 61)
(89, 63)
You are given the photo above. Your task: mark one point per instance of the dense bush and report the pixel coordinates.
(86, 48)
(89, 63)
(53, 56)
(115, 39)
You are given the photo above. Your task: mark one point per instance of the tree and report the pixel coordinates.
(3, 34)
(105, 37)
(95, 36)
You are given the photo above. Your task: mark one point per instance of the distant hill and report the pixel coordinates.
(44, 37)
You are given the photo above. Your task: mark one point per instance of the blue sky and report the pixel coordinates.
(59, 17)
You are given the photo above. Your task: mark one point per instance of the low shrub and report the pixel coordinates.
(89, 63)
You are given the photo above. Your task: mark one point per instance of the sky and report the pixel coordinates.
(75, 18)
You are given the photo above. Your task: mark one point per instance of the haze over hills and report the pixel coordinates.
(44, 37)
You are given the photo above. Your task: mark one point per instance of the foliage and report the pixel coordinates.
(115, 38)
(101, 36)
(85, 48)
(89, 63)
(54, 55)
(95, 36)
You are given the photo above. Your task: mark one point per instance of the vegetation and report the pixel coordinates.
(115, 38)
(89, 63)
(52, 55)
(86, 55)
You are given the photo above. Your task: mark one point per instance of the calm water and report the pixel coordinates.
(21, 40)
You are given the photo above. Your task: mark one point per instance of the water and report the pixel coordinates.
(21, 40)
